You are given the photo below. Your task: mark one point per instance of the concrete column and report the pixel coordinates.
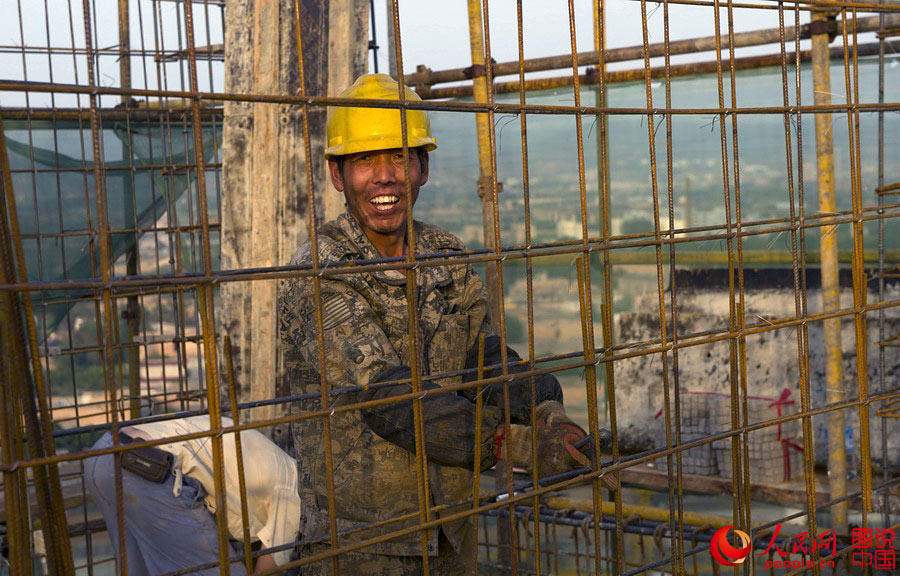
(264, 173)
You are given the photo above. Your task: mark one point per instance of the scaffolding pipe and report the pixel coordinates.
(592, 76)
(830, 269)
(426, 77)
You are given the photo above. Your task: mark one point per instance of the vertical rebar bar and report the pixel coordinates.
(12, 440)
(529, 276)
(485, 164)
(132, 308)
(677, 543)
(238, 452)
(476, 476)
(317, 292)
(415, 347)
(860, 286)
(617, 557)
(585, 298)
(673, 295)
(497, 269)
(882, 364)
(206, 305)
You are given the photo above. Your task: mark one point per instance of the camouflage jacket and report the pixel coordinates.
(366, 341)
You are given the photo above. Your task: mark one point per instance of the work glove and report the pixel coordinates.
(557, 435)
(562, 444)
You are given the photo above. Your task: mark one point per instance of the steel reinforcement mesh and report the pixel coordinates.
(111, 142)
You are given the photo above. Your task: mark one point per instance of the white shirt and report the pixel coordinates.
(273, 504)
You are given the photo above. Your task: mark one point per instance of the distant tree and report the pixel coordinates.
(515, 329)
(637, 226)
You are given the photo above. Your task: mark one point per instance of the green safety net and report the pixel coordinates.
(148, 183)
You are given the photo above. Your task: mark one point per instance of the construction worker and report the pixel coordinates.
(373, 468)
(169, 498)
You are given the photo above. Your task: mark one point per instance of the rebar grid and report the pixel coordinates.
(157, 268)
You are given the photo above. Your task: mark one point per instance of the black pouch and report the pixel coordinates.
(148, 462)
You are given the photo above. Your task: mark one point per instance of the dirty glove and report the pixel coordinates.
(563, 445)
(556, 436)
(518, 440)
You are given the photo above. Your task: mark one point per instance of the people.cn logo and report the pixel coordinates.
(726, 554)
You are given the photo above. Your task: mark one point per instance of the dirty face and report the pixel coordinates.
(373, 184)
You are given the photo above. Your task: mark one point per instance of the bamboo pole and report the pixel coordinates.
(482, 126)
(830, 267)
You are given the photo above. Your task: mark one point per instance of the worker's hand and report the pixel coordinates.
(557, 436)
(517, 439)
(562, 444)
(264, 564)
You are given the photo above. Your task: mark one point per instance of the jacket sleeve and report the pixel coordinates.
(474, 301)
(359, 353)
(546, 385)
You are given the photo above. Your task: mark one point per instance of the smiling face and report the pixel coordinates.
(374, 187)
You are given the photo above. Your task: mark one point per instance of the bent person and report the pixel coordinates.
(169, 498)
(367, 341)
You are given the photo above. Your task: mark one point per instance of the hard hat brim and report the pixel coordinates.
(379, 143)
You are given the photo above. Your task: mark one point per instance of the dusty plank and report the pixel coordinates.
(793, 492)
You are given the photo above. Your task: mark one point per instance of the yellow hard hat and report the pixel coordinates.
(353, 130)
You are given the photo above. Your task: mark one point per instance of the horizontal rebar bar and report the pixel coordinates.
(443, 106)
(207, 113)
(614, 243)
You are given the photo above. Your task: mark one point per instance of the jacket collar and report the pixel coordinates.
(429, 276)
